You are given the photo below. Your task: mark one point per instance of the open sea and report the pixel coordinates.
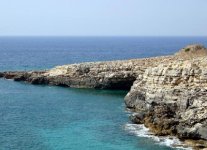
(55, 118)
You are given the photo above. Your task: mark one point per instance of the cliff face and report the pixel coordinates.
(168, 94)
(172, 99)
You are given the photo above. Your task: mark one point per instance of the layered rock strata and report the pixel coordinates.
(168, 94)
(171, 99)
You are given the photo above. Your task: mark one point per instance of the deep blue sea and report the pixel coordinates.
(56, 118)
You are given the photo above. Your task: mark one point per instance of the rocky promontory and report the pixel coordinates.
(168, 94)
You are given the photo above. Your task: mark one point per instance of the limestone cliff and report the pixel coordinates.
(171, 98)
(168, 94)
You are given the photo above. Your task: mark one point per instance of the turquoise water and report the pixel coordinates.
(56, 118)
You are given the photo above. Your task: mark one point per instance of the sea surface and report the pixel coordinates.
(56, 118)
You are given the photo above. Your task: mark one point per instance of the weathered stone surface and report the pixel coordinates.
(173, 97)
(101, 75)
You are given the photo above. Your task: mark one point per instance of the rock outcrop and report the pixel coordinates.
(171, 99)
(99, 75)
(168, 94)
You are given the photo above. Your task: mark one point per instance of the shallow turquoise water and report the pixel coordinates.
(55, 118)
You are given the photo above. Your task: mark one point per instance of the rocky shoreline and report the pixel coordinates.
(168, 94)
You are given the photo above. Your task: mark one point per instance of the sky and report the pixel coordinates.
(103, 17)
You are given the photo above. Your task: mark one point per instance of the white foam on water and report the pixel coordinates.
(141, 131)
(10, 79)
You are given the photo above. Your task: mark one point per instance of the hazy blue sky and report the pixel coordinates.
(104, 17)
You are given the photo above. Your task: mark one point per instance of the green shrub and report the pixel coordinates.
(187, 49)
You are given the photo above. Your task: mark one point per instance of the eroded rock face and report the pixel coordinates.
(173, 97)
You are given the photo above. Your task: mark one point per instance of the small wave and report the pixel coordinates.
(10, 79)
(142, 131)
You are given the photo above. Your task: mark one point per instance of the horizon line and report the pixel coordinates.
(103, 36)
